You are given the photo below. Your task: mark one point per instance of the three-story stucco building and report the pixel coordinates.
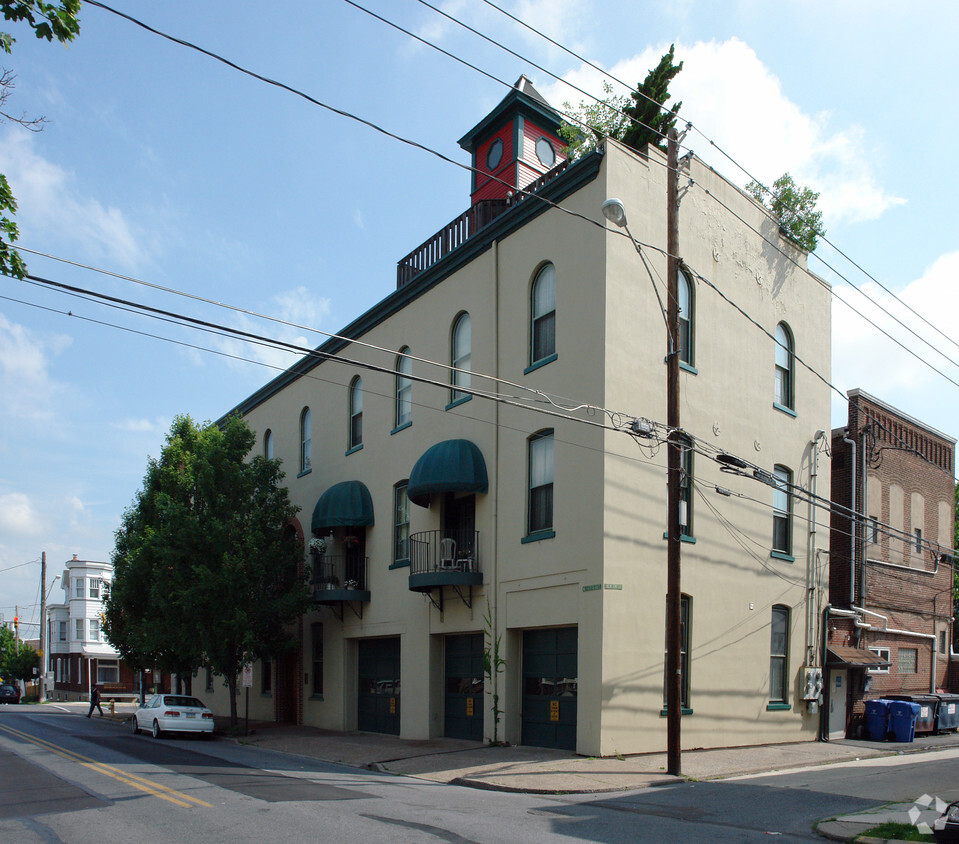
(481, 468)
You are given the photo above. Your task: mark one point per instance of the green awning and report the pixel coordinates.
(449, 466)
(346, 504)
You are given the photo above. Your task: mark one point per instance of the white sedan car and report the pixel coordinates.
(173, 714)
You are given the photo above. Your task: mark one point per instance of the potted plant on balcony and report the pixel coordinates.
(351, 542)
(318, 546)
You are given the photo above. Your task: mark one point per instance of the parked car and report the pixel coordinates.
(9, 694)
(947, 827)
(173, 714)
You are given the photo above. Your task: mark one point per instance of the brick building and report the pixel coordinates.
(889, 621)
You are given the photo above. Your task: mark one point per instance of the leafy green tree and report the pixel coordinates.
(21, 663)
(596, 120)
(48, 21)
(18, 661)
(206, 564)
(795, 207)
(636, 120)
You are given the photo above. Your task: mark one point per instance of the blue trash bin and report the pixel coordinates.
(928, 710)
(877, 719)
(902, 719)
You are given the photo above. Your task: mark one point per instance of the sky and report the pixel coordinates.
(163, 165)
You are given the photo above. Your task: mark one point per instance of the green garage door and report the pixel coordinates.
(549, 687)
(464, 687)
(378, 699)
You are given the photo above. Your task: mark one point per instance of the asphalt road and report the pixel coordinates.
(63, 778)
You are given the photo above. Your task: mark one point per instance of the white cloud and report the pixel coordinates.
(18, 517)
(865, 358)
(737, 102)
(296, 306)
(50, 207)
(27, 389)
(140, 426)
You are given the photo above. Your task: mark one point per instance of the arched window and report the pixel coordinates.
(779, 656)
(782, 511)
(540, 505)
(543, 315)
(685, 290)
(785, 368)
(305, 429)
(268, 444)
(403, 389)
(460, 354)
(356, 412)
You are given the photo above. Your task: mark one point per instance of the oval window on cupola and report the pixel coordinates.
(545, 152)
(494, 155)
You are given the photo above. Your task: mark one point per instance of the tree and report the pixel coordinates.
(644, 121)
(18, 660)
(48, 21)
(795, 207)
(207, 564)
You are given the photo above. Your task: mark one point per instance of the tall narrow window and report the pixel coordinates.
(95, 587)
(785, 367)
(268, 444)
(79, 587)
(266, 677)
(79, 631)
(356, 412)
(305, 434)
(403, 387)
(779, 656)
(918, 534)
(460, 355)
(94, 630)
(686, 490)
(543, 315)
(685, 318)
(782, 511)
(685, 618)
(540, 508)
(401, 525)
(317, 630)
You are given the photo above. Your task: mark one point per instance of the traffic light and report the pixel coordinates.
(16, 625)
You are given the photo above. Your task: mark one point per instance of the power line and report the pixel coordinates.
(471, 169)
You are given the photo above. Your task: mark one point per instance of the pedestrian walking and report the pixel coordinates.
(95, 701)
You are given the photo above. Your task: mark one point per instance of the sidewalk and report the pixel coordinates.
(543, 771)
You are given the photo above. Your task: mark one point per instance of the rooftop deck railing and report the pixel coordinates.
(456, 233)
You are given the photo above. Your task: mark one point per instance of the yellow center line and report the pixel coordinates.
(141, 783)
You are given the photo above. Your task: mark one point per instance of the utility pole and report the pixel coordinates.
(674, 465)
(44, 644)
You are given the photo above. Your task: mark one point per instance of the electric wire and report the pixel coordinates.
(447, 159)
(728, 157)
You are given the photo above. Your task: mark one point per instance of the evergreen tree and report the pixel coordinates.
(650, 120)
(636, 124)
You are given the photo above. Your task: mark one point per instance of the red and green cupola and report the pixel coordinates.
(515, 144)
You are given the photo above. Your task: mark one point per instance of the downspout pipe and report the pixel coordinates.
(852, 533)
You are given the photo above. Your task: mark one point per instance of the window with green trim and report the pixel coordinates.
(460, 357)
(403, 389)
(401, 524)
(543, 315)
(540, 503)
(782, 511)
(779, 656)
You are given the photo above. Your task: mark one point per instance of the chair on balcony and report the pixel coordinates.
(448, 553)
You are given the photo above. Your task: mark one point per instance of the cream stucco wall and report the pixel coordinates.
(609, 490)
